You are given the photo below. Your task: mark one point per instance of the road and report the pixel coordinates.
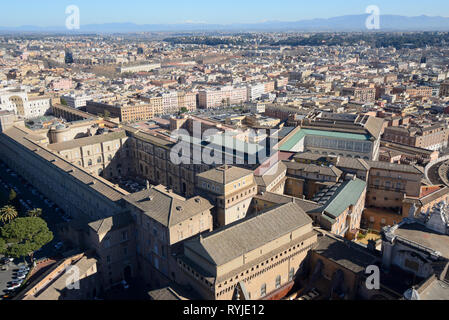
(37, 200)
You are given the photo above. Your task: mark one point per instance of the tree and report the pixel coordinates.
(25, 236)
(37, 212)
(63, 102)
(107, 114)
(7, 214)
(2, 246)
(12, 195)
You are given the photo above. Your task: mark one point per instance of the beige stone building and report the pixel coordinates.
(230, 189)
(164, 219)
(262, 254)
(101, 155)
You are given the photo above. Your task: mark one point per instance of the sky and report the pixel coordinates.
(52, 12)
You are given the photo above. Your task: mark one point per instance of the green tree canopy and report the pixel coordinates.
(2, 246)
(12, 195)
(7, 214)
(26, 235)
(37, 212)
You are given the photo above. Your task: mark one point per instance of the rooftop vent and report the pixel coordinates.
(179, 208)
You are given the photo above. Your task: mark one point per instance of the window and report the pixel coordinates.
(263, 290)
(291, 274)
(278, 282)
(125, 235)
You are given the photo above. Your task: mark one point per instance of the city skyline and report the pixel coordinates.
(47, 14)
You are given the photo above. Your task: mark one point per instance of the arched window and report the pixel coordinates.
(278, 282)
(89, 162)
(291, 274)
(263, 290)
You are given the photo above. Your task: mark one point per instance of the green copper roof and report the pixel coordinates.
(301, 134)
(347, 196)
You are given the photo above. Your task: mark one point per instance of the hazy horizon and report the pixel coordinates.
(47, 13)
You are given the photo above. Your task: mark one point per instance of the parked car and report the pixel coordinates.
(21, 276)
(6, 260)
(59, 245)
(23, 269)
(13, 286)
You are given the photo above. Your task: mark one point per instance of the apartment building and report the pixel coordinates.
(223, 96)
(170, 102)
(414, 91)
(360, 94)
(128, 111)
(444, 89)
(76, 100)
(431, 137)
(255, 91)
(187, 100)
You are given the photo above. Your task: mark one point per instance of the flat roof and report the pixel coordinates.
(425, 237)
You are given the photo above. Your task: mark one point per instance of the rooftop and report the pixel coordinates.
(225, 174)
(166, 207)
(224, 245)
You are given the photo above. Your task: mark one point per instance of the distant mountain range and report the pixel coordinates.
(338, 24)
